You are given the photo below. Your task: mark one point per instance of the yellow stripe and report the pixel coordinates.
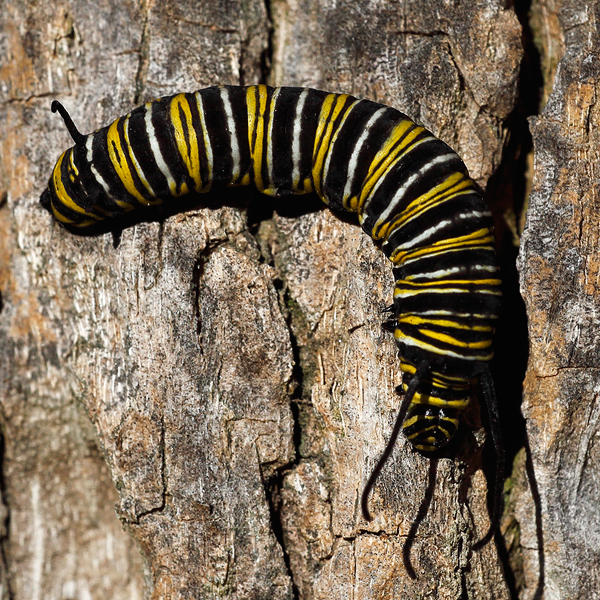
(432, 284)
(432, 400)
(387, 229)
(407, 289)
(384, 171)
(415, 320)
(61, 192)
(448, 339)
(323, 116)
(453, 186)
(385, 151)
(430, 252)
(74, 169)
(60, 217)
(383, 163)
(207, 144)
(251, 107)
(426, 447)
(438, 379)
(270, 190)
(481, 237)
(414, 419)
(323, 137)
(409, 293)
(138, 169)
(256, 124)
(434, 427)
(119, 162)
(189, 153)
(401, 338)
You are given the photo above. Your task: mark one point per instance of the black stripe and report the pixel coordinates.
(237, 98)
(202, 150)
(140, 187)
(310, 122)
(266, 120)
(140, 143)
(453, 214)
(165, 136)
(467, 260)
(216, 124)
(341, 152)
(85, 191)
(402, 172)
(282, 138)
(103, 164)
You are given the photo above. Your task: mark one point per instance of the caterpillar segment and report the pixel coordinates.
(412, 195)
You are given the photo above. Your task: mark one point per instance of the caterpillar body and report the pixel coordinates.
(411, 192)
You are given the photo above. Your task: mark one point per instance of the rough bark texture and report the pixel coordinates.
(560, 278)
(221, 376)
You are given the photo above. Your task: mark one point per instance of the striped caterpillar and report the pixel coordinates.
(411, 192)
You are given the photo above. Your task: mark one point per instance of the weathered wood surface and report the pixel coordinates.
(560, 282)
(224, 380)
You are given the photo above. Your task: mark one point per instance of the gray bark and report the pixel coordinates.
(559, 263)
(227, 387)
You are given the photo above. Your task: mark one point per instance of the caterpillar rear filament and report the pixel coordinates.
(411, 192)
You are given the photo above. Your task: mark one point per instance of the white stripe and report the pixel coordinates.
(136, 164)
(424, 235)
(409, 341)
(447, 272)
(473, 214)
(353, 162)
(419, 212)
(446, 313)
(485, 213)
(235, 147)
(363, 215)
(270, 139)
(431, 231)
(440, 274)
(88, 147)
(442, 250)
(296, 140)
(399, 195)
(409, 293)
(102, 182)
(207, 144)
(431, 290)
(99, 179)
(156, 153)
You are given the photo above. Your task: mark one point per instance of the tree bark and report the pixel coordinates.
(560, 272)
(221, 375)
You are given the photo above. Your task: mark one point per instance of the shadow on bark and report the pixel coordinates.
(535, 493)
(423, 509)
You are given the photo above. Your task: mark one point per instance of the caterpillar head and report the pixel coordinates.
(71, 198)
(429, 428)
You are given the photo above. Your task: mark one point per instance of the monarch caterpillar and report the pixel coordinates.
(411, 192)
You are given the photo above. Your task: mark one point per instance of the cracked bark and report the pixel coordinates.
(559, 264)
(222, 376)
